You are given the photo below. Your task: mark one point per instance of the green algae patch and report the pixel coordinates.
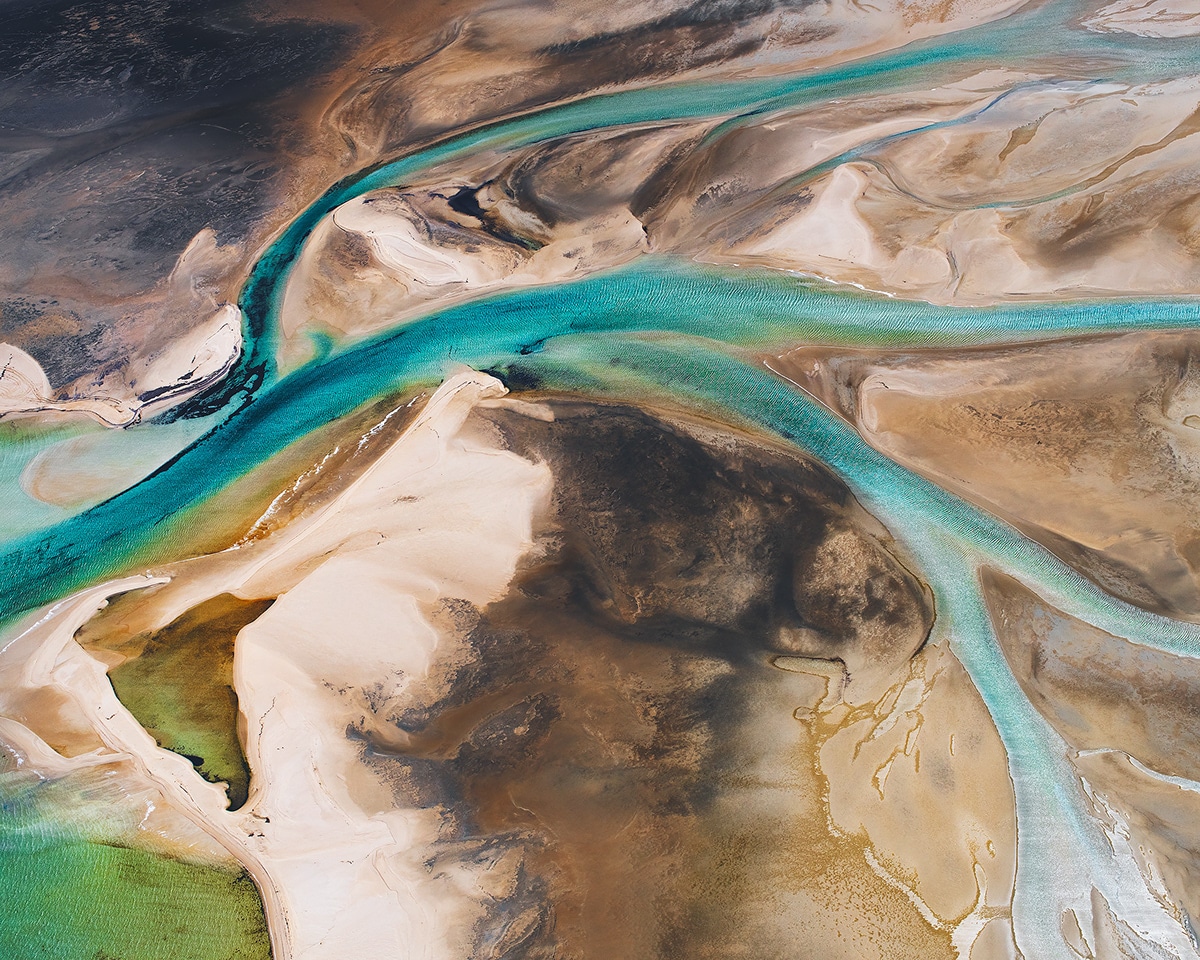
(178, 684)
(69, 898)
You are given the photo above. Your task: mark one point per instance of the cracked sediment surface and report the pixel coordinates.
(452, 672)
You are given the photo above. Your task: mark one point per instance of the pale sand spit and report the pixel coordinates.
(182, 368)
(364, 579)
(436, 515)
(1148, 18)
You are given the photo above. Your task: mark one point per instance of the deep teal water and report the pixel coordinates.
(742, 308)
(265, 414)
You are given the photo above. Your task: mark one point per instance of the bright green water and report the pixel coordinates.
(67, 894)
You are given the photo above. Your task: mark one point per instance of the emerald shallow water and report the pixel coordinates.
(70, 894)
(178, 684)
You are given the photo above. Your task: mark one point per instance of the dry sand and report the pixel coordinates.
(1147, 18)
(154, 380)
(375, 579)
(988, 209)
(958, 194)
(110, 250)
(435, 516)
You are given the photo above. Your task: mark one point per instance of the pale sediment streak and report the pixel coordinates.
(1183, 783)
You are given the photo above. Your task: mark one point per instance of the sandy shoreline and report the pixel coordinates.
(954, 195)
(300, 774)
(158, 379)
(372, 584)
(1147, 18)
(1099, 466)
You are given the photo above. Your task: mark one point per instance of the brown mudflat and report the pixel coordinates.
(618, 735)
(1090, 446)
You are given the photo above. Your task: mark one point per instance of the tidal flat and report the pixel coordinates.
(516, 480)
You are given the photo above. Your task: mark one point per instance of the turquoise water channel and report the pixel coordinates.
(677, 329)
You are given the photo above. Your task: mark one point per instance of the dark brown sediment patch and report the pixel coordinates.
(178, 681)
(677, 526)
(149, 153)
(656, 738)
(615, 739)
(1088, 445)
(1128, 713)
(129, 130)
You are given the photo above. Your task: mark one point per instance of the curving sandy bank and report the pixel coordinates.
(993, 187)
(24, 389)
(1090, 446)
(1147, 18)
(153, 381)
(341, 874)
(510, 684)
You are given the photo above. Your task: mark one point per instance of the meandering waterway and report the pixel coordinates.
(685, 333)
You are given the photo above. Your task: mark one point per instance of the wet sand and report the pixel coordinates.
(660, 671)
(1147, 18)
(544, 676)
(1089, 446)
(856, 191)
(1127, 713)
(150, 155)
(954, 194)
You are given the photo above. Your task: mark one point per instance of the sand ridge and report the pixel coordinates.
(394, 610)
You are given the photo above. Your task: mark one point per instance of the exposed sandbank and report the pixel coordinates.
(1089, 446)
(1147, 18)
(1128, 714)
(957, 194)
(116, 185)
(154, 379)
(320, 841)
(409, 707)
